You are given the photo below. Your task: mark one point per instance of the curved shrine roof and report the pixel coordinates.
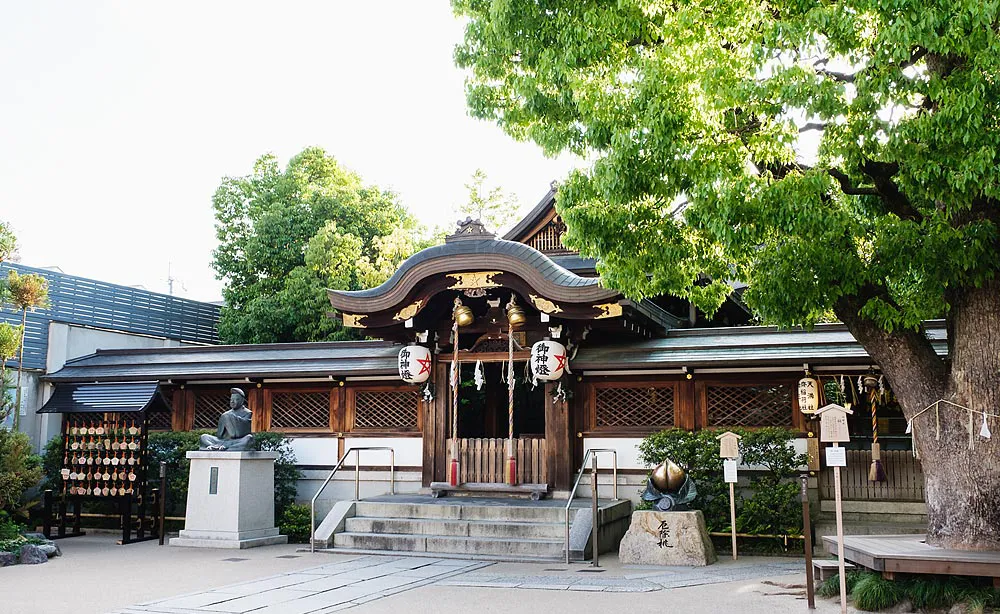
(475, 250)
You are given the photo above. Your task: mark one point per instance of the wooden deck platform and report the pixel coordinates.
(892, 554)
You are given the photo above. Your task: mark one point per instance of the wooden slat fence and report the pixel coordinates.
(483, 460)
(905, 478)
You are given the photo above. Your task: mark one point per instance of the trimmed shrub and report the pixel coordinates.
(295, 523)
(19, 471)
(872, 593)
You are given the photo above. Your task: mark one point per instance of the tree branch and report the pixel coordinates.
(881, 174)
(847, 187)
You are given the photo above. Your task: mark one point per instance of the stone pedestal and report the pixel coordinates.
(667, 538)
(230, 501)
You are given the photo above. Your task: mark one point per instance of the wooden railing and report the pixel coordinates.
(904, 478)
(483, 460)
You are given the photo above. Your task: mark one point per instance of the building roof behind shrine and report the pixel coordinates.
(277, 360)
(739, 347)
(742, 346)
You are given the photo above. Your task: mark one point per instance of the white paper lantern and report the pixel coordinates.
(414, 364)
(808, 395)
(548, 360)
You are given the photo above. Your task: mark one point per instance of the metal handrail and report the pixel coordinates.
(579, 476)
(357, 484)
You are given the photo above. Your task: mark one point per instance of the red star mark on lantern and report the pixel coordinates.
(425, 365)
(560, 361)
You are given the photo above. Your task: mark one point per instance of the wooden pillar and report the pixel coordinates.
(178, 407)
(684, 416)
(435, 426)
(558, 450)
(255, 403)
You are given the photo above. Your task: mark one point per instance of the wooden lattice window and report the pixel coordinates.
(300, 409)
(549, 238)
(159, 420)
(749, 405)
(208, 406)
(384, 410)
(634, 406)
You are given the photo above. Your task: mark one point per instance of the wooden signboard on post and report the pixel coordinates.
(833, 429)
(729, 449)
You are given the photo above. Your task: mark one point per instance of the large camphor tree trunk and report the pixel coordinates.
(962, 482)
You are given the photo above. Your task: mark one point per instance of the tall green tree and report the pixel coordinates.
(27, 293)
(285, 236)
(838, 155)
(492, 206)
(10, 335)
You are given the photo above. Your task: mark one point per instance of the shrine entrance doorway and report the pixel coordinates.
(484, 424)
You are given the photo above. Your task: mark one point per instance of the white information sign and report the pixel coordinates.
(729, 470)
(836, 457)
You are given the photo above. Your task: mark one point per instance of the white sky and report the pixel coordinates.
(118, 119)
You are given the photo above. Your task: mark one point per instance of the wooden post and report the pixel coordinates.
(807, 534)
(833, 429)
(596, 508)
(729, 449)
(840, 539)
(732, 515)
(163, 499)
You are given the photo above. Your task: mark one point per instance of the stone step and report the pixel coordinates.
(456, 528)
(503, 512)
(547, 549)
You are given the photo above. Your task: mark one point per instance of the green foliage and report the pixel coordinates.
(8, 243)
(872, 593)
(690, 115)
(172, 447)
(295, 523)
(492, 207)
(286, 236)
(8, 528)
(19, 471)
(772, 507)
(286, 474)
(831, 586)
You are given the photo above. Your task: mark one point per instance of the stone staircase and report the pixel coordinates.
(495, 529)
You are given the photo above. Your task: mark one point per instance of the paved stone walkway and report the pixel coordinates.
(352, 582)
(317, 590)
(634, 580)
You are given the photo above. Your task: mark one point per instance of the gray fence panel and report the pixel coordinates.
(88, 302)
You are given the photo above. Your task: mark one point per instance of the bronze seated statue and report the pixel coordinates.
(233, 433)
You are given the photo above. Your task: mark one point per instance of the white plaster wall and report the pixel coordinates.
(409, 451)
(627, 448)
(323, 451)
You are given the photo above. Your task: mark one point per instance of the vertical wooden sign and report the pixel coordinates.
(833, 429)
(729, 449)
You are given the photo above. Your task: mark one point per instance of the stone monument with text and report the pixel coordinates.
(231, 487)
(667, 534)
